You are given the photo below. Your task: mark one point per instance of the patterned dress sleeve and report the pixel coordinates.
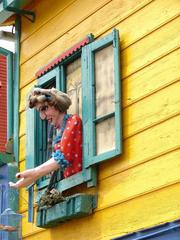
(71, 145)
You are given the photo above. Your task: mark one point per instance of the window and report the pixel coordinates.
(91, 77)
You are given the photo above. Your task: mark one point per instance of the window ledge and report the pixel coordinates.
(78, 205)
(87, 175)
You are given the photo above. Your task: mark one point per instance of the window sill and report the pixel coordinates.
(87, 175)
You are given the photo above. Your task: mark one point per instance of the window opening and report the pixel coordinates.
(74, 86)
(46, 132)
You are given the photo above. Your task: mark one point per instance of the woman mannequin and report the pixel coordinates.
(52, 105)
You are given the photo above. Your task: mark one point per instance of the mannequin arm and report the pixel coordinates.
(29, 176)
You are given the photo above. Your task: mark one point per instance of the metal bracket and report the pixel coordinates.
(25, 13)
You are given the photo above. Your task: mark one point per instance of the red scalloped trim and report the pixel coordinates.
(62, 57)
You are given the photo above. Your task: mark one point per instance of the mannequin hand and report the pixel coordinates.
(26, 178)
(29, 176)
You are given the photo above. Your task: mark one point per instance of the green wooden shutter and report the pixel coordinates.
(49, 80)
(85, 104)
(31, 138)
(101, 99)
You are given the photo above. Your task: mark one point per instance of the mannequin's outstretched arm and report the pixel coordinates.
(29, 176)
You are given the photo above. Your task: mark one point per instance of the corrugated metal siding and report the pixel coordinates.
(3, 102)
(63, 56)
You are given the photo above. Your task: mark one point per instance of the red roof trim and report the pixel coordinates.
(63, 56)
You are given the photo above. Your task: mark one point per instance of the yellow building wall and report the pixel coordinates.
(141, 188)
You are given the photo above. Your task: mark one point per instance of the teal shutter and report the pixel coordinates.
(49, 80)
(85, 105)
(31, 151)
(30, 138)
(101, 99)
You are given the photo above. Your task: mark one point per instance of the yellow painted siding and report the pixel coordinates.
(116, 220)
(132, 189)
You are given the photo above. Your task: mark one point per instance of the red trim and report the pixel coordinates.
(3, 102)
(62, 57)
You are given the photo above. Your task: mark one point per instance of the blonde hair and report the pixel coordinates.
(53, 97)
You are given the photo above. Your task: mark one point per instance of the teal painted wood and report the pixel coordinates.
(30, 203)
(40, 144)
(89, 72)
(78, 205)
(9, 7)
(85, 103)
(31, 138)
(9, 57)
(44, 140)
(51, 78)
(4, 14)
(16, 88)
(92, 182)
(85, 98)
(105, 41)
(118, 96)
(31, 153)
(15, 3)
(104, 117)
(92, 106)
(53, 75)
(85, 176)
(38, 141)
(62, 81)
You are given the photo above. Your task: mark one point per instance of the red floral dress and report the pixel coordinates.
(70, 145)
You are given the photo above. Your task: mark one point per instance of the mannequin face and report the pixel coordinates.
(50, 113)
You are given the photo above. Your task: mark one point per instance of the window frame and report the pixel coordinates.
(86, 175)
(57, 71)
